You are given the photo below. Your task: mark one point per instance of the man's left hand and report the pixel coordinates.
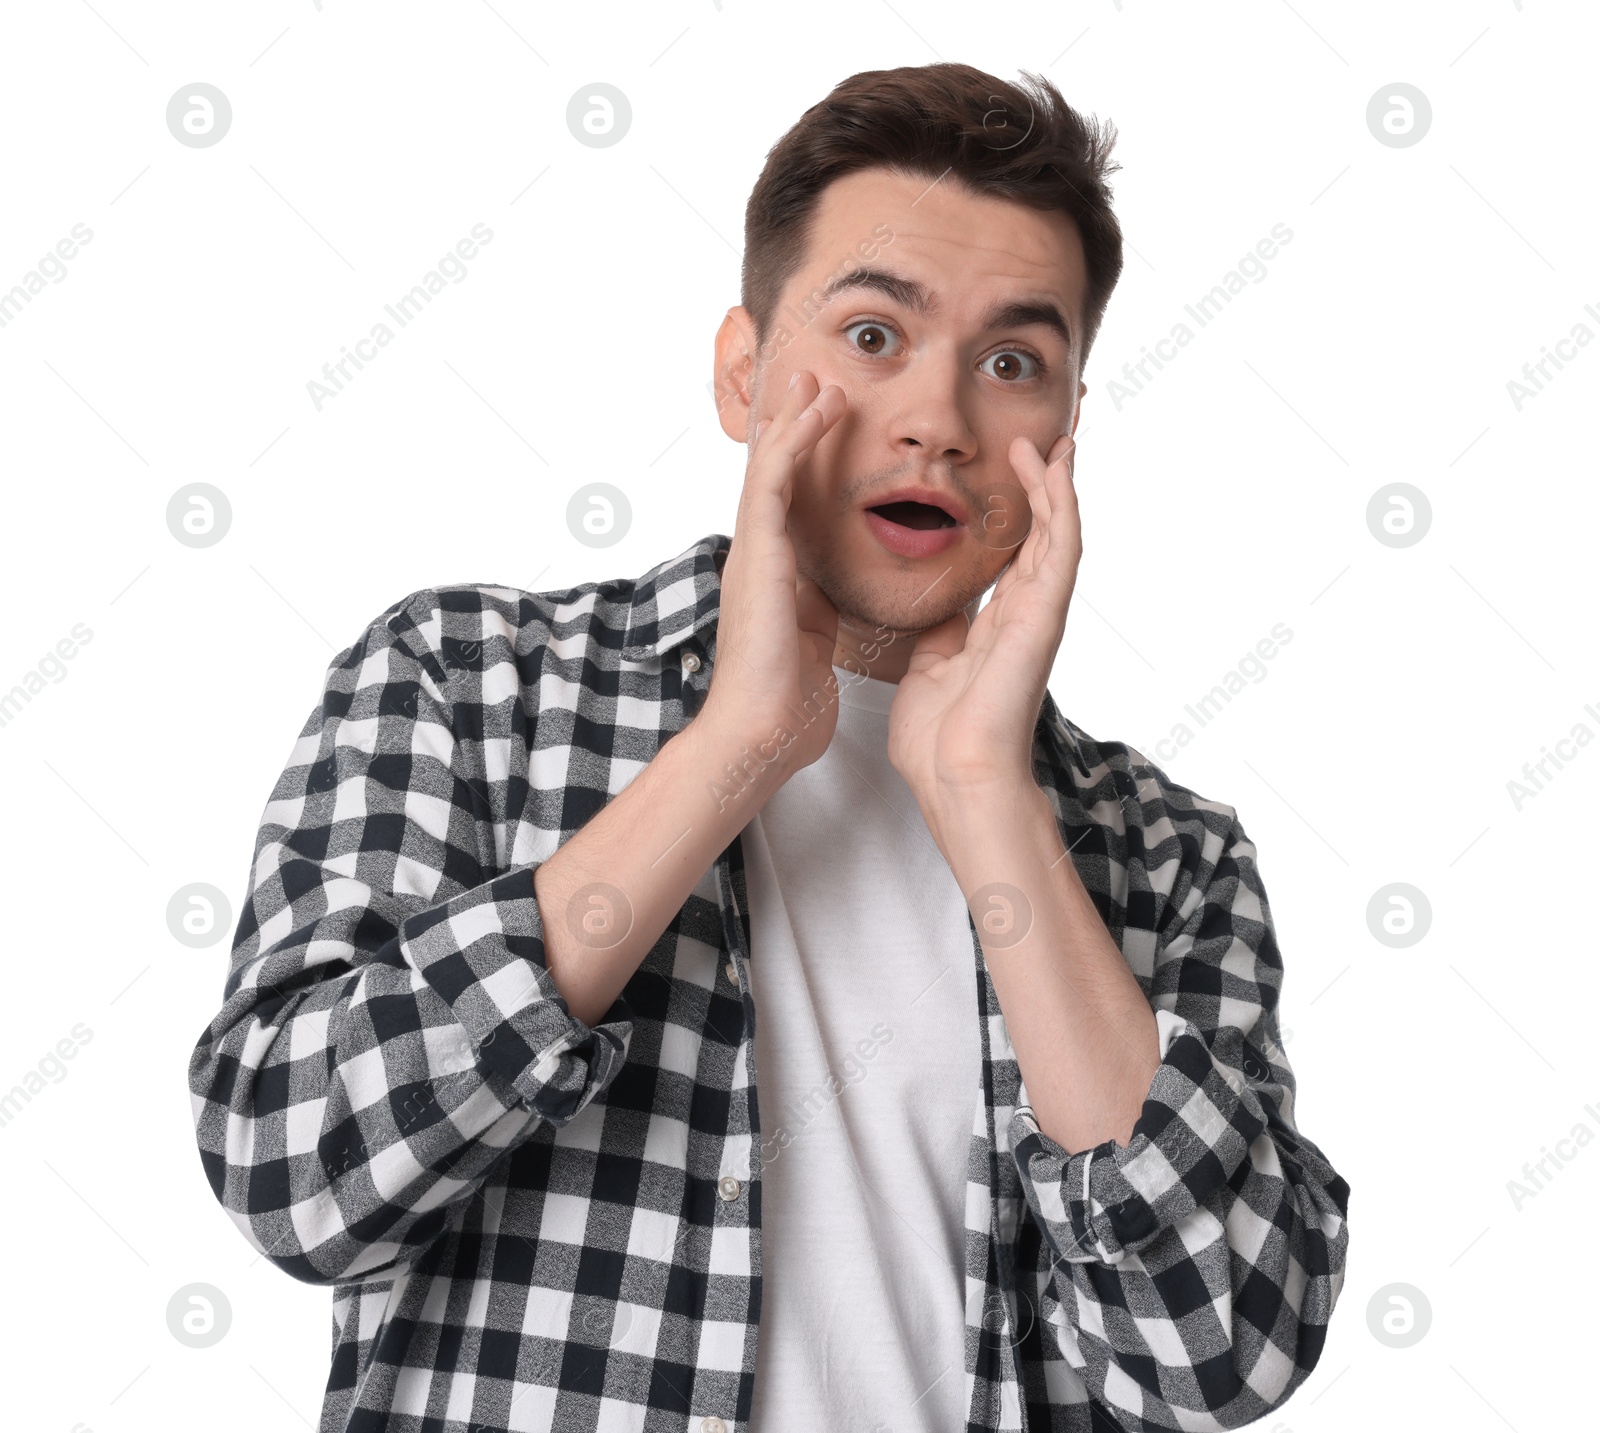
(963, 718)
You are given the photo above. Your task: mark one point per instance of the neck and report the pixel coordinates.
(882, 653)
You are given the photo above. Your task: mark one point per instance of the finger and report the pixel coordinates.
(1030, 467)
(1066, 532)
(1068, 457)
(815, 410)
(1060, 477)
(800, 422)
(794, 400)
(1059, 461)
(781, 444)
(789, 403)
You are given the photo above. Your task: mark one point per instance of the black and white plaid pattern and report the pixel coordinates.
(527, 1223)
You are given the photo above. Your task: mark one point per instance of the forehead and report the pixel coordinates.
(965, 246)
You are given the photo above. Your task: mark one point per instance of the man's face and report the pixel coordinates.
(937, 391)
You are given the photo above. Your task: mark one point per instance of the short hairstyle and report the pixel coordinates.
(929, 120)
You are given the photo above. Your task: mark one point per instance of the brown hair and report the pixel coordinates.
(1023, 143)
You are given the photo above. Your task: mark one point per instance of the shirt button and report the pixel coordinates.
(691, 663)
(713, 1425)
(732, 972)
(728, 1187)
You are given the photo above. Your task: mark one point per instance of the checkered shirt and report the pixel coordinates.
(528, 1223)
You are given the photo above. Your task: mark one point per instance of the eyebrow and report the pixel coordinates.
(911, 294)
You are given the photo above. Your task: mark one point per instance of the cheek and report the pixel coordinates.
(1003, 518)
(812, 494)
(990, 564)
(837, 456)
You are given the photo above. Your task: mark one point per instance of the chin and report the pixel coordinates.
(871, 602)
(874, 588)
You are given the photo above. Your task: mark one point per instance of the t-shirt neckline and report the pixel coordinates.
(864, 693)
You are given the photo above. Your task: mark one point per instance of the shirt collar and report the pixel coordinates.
(675, 599)
(679, 598)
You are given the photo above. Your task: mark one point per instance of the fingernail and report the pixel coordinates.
(794, 378)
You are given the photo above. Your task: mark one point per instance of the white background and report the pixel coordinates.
(1230, 495)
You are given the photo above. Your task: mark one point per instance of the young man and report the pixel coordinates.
(738, 997)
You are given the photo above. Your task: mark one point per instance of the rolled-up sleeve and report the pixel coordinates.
(1194, 1269)
(388, 1031)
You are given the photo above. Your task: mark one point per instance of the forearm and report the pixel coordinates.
(1084, 1034)
(609, 892)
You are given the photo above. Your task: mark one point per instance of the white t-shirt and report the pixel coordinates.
(866, 1055)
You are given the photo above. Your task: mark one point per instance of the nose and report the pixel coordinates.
(928, 416)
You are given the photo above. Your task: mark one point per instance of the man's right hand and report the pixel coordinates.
(776, 631)
(775, 645)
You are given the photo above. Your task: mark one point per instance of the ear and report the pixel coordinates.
(733, 371)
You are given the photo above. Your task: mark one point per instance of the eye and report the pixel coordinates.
(875, 336)
(1012, 359)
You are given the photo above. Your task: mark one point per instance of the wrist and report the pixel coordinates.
(721, 731)
(992, 784)
(992, 793)
(738, 754)
(969, 816)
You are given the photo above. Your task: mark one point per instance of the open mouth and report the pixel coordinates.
(917, 516)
